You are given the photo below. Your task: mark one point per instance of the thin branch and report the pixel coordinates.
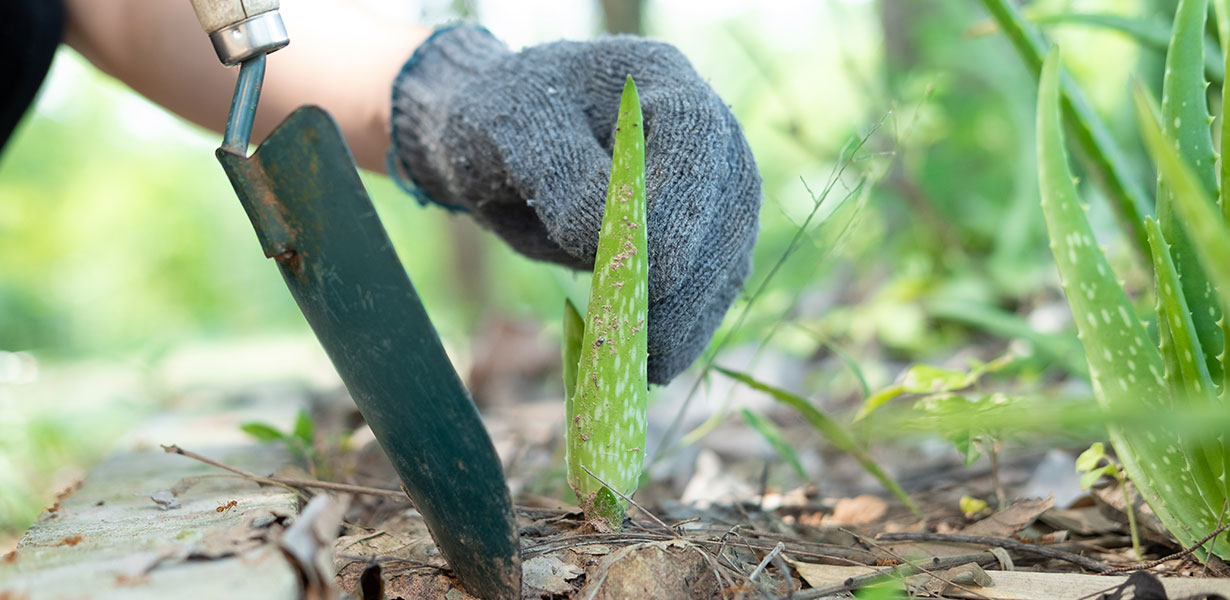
(1084, 562)
(898, 573)
(1180, 554)
(767, 559)
(287, 481)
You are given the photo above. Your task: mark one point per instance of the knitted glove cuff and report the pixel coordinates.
(422, 97)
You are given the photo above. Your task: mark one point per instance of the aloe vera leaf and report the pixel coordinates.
(574, 331)
(1129, 199)
(606, 420)
(776, 440)
(1192, 200)
(1172, 308)
(1185, 120)
(1125, 367)
(1203, 224)
(829, 428)
(1223, 28)
(1194, 379)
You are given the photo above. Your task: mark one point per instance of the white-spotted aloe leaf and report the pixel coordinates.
(1125, 366)
(1212, 243)
(1222, 10)
(829, 428)
(1193, 383)
(1185, 119)
(606, 416)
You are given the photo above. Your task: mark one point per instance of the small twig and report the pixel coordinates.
(1180, 554)
(629, 500)
(918, 566)
(767, 559)
(287, 481)
(900, 572)
(1220, 517)
(1083, 561)
(382, 558)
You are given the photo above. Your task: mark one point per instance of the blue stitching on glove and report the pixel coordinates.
(401, 176)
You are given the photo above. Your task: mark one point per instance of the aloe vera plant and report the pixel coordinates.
(1179, 476)
(605, 378)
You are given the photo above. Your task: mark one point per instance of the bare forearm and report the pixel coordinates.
(340, 57)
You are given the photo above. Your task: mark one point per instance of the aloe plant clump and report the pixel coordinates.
(605, 356)
(1181, 476)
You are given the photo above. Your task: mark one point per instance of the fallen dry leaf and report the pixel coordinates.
(550, 574)
(1016, 517)
(858, 510)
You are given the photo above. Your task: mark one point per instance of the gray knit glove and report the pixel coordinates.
(522, 141)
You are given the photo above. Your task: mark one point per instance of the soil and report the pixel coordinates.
(773, 542)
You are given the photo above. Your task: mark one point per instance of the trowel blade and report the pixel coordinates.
(313, 216)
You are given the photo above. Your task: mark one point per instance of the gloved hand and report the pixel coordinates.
(522, 141)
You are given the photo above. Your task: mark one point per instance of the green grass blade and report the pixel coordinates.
(829, 428)
(1129, 200)
(305, 430)
(1153, 34)
(606, 420)
(773, 435)
(574, 331)
(262, 432)
(1223, 22)
(1185, 120)
(1125, 367)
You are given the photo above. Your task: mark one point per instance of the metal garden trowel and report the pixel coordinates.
(312, 215)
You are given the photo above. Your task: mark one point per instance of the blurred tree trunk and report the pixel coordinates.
(623, 16)
(900, 51)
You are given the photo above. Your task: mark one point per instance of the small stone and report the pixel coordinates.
(164, 499)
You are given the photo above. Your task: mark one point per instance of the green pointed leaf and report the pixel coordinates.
(878, 399)
(1172, 308)
(1185, 120)
(1089, 459)
(305, 430)
(831, 431)
(574, 331)
(776, 440)
(967, 445)
(606, 420)
(1125, 367)
(1089, 478)
(262, 432)
(1127, 197)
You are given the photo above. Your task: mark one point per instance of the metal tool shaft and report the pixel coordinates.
(243, 105)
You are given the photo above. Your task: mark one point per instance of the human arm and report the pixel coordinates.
(340, 57)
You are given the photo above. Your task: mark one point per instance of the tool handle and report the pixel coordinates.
(241, 29)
